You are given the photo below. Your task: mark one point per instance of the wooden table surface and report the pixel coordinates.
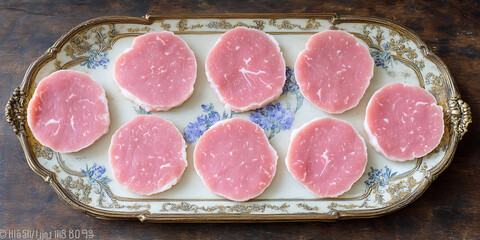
(449, 209)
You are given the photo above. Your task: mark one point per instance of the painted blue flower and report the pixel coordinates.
(96, 60)
(195, 129)
(273, 118)
(212, 116)
(96, 171)
(380, 177)
(95, 174)
(382, 58)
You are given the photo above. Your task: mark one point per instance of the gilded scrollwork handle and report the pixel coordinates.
(459, 114)
(15, 111)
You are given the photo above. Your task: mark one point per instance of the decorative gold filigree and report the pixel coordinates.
(397, 191)
(419, 63)
(78, 189)
(335, 206)
(42, 151)
(57, 64)
(103, 40)
(377, 37)
(307, 207)
(164, 25)
(81, 190)
(424, 168)
(238, 208)
(106, 199)
(223, 24)
(400, 190)
(376, 41)
(335, 27)
(113, 203)
(373, 36)
(437, 89)
(78, 45)
(459, 114)
(311, 24)
(378, 193)
(137, 206)
(399, 47)
(16, 111)
(139, 29)
(182, 25)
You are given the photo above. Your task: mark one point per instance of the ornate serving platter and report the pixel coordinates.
(85, 180)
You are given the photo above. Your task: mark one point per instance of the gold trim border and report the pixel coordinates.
(334, 19)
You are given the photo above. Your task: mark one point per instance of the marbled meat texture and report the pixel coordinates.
(235, 160)
(334, 71)
(158, 72)
(68, 111)
(327, 156)
(148, 155)
(403, 122)
(246, 69)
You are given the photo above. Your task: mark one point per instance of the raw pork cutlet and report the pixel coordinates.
(68, 111)
(158, 72)
(235, 160)
(148, 155)
(327, 156)
(403, 122)
(334, 71)
(246, 69)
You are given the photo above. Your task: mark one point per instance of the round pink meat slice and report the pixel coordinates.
(334, 71)
(403, 122)
(246, 69)
(158, 72)
(235, 160)
(327, 156)
(148, 155)
(68, 111)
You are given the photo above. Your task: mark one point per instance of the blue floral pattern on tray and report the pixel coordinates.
(195, 129)
(273, 118)
(382, 58)
(378, 176)
(95, 174)
(96, 60)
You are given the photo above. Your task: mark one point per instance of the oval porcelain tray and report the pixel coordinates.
(85, 180)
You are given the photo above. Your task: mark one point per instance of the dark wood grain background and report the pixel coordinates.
(449, 209)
